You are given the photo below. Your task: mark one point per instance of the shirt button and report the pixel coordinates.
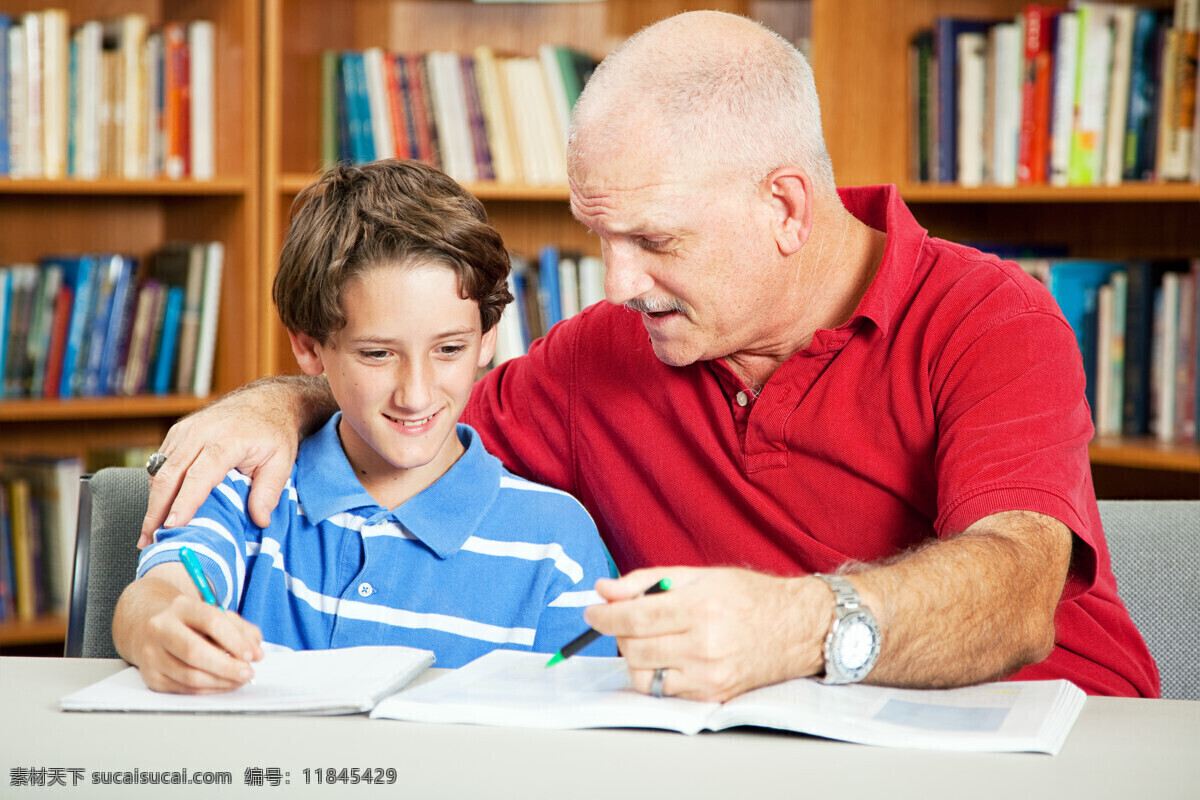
(742, 399)
(365, 590)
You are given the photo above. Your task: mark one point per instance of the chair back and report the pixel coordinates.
(1155, 548)
(112, 504)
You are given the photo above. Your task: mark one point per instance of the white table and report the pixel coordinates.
(1118, 749)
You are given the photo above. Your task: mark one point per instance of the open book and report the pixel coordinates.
(341, 681)
(515, 689)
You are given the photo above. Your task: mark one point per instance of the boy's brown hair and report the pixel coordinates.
(385, 212)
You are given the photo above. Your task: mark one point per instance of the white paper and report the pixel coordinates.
(339, 681)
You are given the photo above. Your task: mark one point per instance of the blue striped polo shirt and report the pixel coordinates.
(480, 560)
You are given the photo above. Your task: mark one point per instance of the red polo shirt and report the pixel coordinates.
(954, 392)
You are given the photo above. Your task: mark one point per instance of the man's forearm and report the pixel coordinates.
(305, 399)
(972, 608)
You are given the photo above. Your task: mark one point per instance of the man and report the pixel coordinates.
(824, 389)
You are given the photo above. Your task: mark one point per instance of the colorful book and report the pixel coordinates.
(946, 31)
(58, 341)
(1145, 59)
(477, 127)
(1075, 286)
(1062, 112)
(201, 47)
(1092, 85)
(5, 163)
(168, 341)
(79, 275)
(210, 306)
(550, 292)
(1037, 80)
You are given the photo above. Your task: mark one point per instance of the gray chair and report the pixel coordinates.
(112, 503)
(1155, 548)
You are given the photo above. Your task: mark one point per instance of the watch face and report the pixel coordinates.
(857, 646)
(858, 641)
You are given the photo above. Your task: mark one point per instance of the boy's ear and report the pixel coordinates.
(307, 353)
(487, 348)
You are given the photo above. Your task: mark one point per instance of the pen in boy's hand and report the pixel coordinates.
(192, 564)
(590, 635)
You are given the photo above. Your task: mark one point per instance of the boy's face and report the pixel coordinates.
(401, 371)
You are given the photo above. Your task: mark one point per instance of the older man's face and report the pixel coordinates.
(691, 253)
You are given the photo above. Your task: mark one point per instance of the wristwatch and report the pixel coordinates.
(853, 644)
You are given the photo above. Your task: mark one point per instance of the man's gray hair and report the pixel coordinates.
(750, 109)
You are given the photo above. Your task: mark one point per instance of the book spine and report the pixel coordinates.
(478, 128)
(201, 46)
(18, 106)
(376, 85)
(210, 304)
(164, 365)
(1062, 119)
(5, 101)
(58, 341)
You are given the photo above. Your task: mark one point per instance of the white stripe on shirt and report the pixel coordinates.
(529, 552)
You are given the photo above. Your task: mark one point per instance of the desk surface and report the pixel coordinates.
(1118, 748)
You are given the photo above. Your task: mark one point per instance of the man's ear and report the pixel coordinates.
(307, 352)
(487, 347)
(791, 198)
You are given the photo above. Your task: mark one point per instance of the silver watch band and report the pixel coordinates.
(843, 590)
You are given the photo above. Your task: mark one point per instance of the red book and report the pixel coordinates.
(58, 340)
(1034, 145)
(396, 106)
(414, 66)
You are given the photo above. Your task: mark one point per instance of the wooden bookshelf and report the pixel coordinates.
(42, 217)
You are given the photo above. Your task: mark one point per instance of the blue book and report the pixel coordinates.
(120, 321)
(79, 276)
(946, 31)
(358, 107)
(1075, 286)
(168, 342)
(520, 290)
(109, 277)
(5, 160)
(72, 102)
(1139, 146)
(5, 310)
(8, 577)
(549, 291)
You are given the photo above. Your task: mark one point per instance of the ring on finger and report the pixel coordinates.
(656, 685)
(155, 463)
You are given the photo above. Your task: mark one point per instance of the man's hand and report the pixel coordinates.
(255, 429)
(180, 643)
(718, 632)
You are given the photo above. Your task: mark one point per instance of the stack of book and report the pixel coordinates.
(546, 290)
(1138, 328)
(106, 99)
(479, 117)
(1088, 95)
(39, 498)
(86, 326)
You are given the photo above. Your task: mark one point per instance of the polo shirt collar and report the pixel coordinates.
(881, 208)
(442, 517)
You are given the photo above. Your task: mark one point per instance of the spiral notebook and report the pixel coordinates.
(312, 682)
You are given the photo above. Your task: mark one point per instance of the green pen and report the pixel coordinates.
(197, 574)
(590, 635)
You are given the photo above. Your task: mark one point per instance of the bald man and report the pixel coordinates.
(859, 452)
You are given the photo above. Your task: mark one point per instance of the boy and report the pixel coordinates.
(399, 527)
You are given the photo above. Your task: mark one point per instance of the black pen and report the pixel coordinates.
(590, 635)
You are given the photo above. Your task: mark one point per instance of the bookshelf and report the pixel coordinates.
(135, 217)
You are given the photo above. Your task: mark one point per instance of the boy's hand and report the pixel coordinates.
(180, 643)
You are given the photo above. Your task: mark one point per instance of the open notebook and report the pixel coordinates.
(510, 688)
(341, 681)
